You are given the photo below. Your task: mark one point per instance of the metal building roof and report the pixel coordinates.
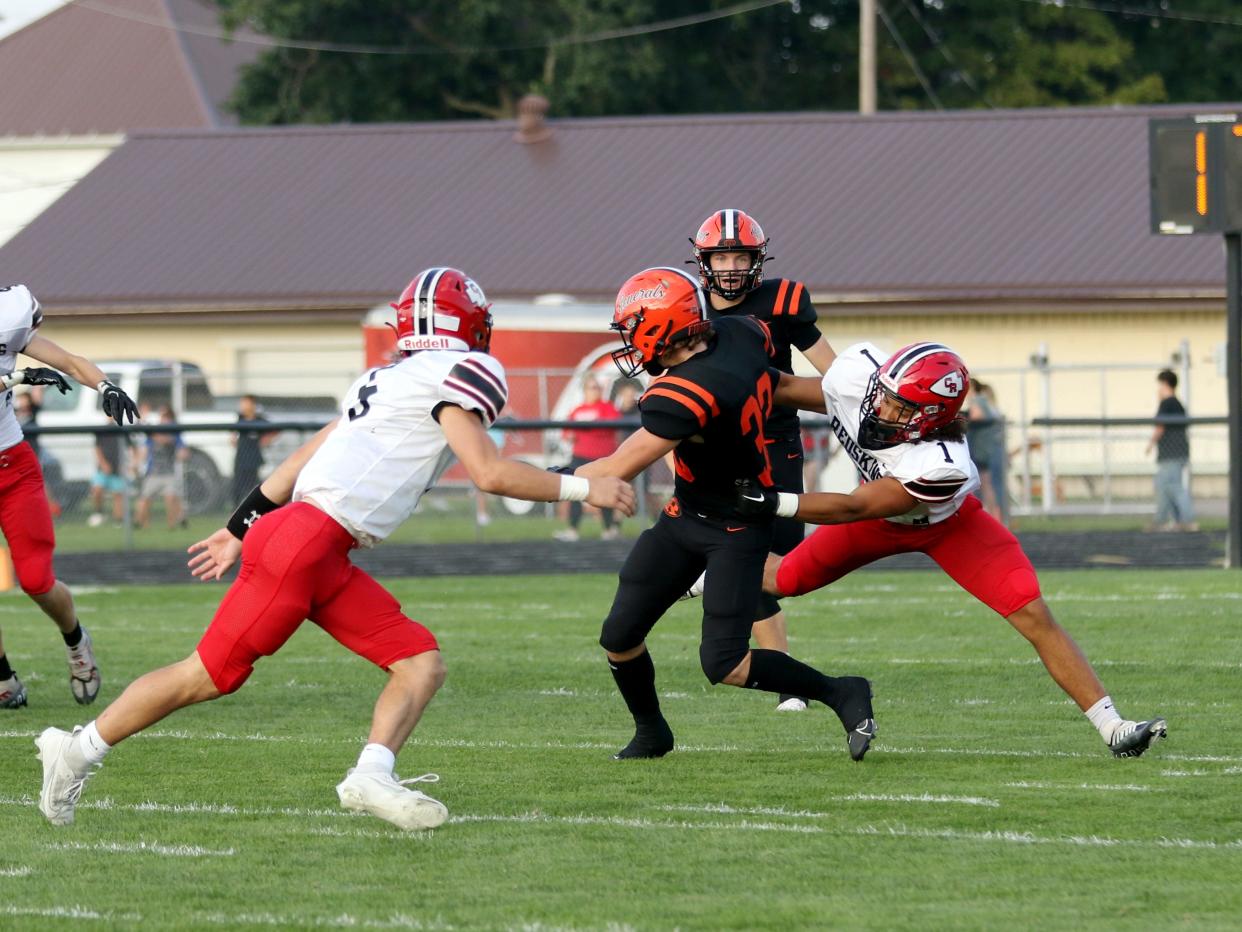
(975, 206)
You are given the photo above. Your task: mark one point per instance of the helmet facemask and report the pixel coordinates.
(887, 419)
(714, 279)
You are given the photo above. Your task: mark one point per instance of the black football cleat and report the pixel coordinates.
(1133, 738)
(859, 737)
(651, 739)
(854, 710)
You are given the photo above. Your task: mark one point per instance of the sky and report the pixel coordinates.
(14, 14)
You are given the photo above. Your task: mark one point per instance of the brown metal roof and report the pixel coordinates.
(953, 206)
(115, 66)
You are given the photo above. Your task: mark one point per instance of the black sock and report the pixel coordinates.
(5, 670)
(777, 672)
(635, 679)
(74, 637)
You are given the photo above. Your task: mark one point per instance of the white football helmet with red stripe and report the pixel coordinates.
(442, 308)
(918, 390)
(730, 231)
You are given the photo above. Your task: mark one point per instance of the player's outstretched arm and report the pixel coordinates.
(116, 404)
(498, 475)
(638, 451)
(883, 498)
(796, 391)
(211, 557)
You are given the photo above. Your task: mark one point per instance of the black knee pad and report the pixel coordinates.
(719, 660)
(617, 636)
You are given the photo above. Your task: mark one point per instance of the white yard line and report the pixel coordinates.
(1107, 787)
(143, 847)
(67, 912)
(733, 825)
(15, 871)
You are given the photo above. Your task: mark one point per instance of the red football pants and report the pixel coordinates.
(26, 519)
(295, 566)
(978, 552)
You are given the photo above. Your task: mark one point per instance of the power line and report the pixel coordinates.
(905, 50)
(1148, 12)
(948, 56)
(606, 35)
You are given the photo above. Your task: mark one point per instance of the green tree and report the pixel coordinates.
(475, 58)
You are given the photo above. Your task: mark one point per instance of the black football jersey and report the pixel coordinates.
(785, 306)
(717, 403)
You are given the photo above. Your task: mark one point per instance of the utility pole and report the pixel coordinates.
(866, 56)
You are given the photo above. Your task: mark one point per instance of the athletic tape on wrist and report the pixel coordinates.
(574, 489)
(253, 507)
(786, 504)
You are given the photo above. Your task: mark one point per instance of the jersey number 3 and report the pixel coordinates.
(364, 398)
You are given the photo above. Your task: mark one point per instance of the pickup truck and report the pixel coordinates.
(69, 459)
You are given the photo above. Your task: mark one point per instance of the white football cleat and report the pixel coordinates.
(84, 678)
(792, 704)
(383, 795)
(62, 784)
(12, 693)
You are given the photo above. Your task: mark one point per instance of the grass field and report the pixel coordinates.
(987, 802)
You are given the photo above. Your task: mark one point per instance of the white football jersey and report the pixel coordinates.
(19, 319)
(938, 473)
(388, 449)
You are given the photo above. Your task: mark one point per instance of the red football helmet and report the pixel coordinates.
(656, 310)
(730, 231)
(442, 309)
(917, 391)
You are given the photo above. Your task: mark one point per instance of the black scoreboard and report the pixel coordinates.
(1196, 174)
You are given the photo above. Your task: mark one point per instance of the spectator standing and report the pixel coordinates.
(1174, 509)
(163, 473)
(986, 438)
(109, 477)
(588, 445)
(248, 447)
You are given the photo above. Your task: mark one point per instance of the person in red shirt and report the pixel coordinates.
(588, 445)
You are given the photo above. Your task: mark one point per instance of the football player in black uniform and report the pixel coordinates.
(708, 402)
(730, 250)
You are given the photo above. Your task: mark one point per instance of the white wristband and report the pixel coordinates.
(786, 504)
(13, 378)
(574, 489)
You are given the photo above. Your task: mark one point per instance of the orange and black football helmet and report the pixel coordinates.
(657, 310)
(730, 231)
(443, 309)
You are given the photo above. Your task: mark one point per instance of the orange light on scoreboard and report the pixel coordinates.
(1201, 191)
(1195, 167)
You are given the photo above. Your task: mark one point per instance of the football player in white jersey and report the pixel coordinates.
(25, 516)
(349, 486)
(898, 418)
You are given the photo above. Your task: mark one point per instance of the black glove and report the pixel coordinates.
(117, 404)
(753, 500)
(36, 375)
(561, 470)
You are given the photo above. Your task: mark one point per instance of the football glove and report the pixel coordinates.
(117, 404)
(753, 500)
(36, 375)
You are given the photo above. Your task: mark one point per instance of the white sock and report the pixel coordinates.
(1103, 715)
(93, 747)
(375, 758)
